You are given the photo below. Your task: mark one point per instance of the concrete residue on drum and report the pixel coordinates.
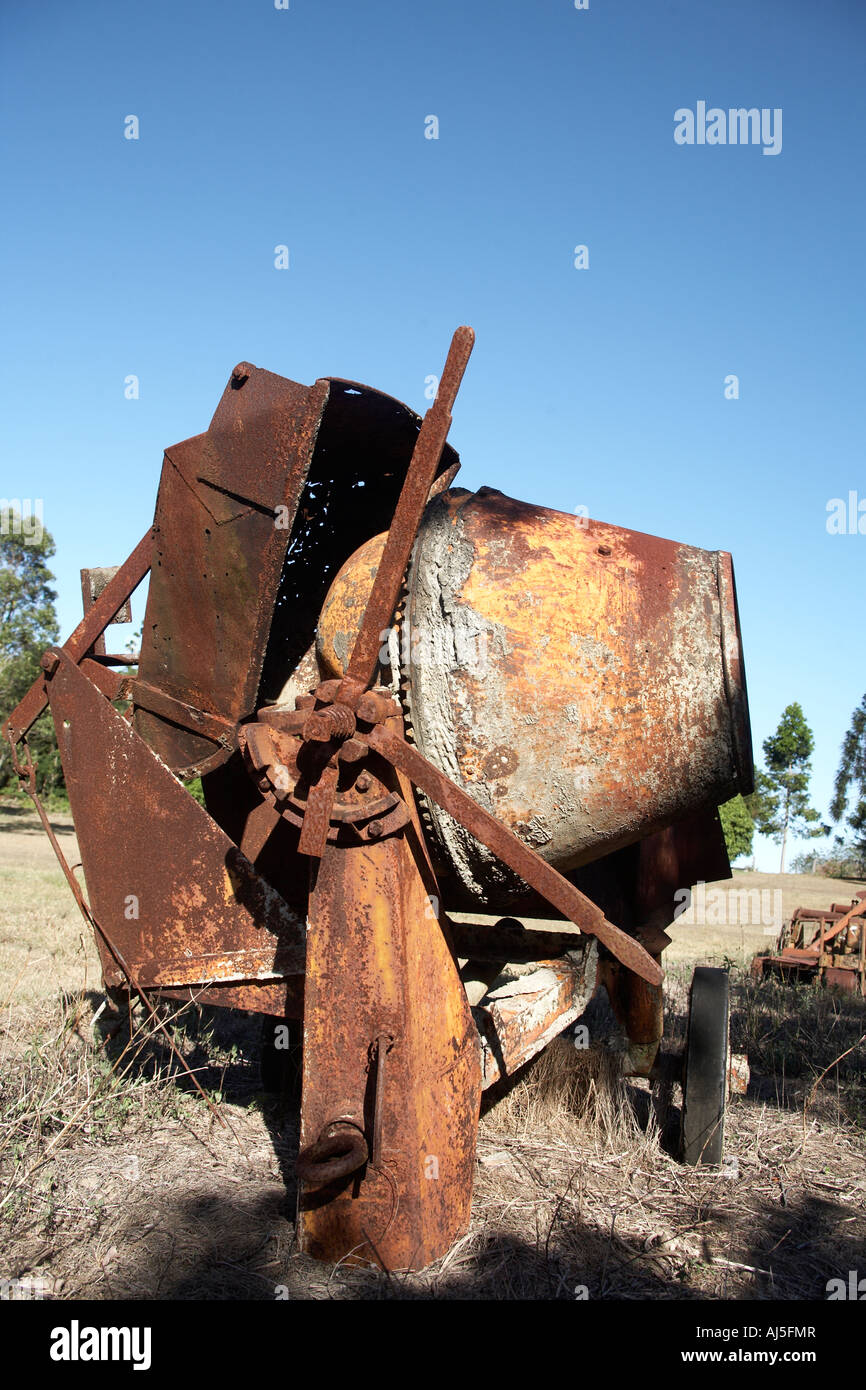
(576, 691)
(437, 689)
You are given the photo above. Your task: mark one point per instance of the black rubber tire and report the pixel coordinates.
(280, 1067)
(705, 1069)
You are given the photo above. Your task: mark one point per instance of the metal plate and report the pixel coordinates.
(175, 895)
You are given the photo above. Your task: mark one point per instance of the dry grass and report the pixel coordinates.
(44, 947)
(136, 1193)
(100, 1130)
(576, 1195)
(117, 1183)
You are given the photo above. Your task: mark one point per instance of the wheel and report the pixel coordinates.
(280, 1064)
(705, 1068)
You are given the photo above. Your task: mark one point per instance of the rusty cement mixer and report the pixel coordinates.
(458, 754)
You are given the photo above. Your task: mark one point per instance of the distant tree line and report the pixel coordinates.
(779, 806)
(28, 624)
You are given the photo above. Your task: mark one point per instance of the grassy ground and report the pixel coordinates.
(44, 946)
(117, 1180)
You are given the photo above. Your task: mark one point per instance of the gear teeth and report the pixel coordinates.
(405, 697)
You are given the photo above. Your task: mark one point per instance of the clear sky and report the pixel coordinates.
(601, 387)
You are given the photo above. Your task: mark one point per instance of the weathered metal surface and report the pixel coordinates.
(227, 503)
(651, 873)
(333, 719)
(639, 1007)
(688, 852)
(340, 1150)
(320, 799)
(586, 700)
(380, 976)
(739, 1074)
(344, 602)
(283, 999)
(573, 681)
(318, 786)
(363, 448)
(342, 607)
(178, 898)
(509, 850)
(835, 953)
(213, 727)
(486, 938)
(503, 844)
(734, 670)
(110, 683)
(518, 1018)
(93, 581)
(837, 977)
(253, 518)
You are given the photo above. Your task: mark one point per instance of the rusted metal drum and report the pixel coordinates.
(582, 682)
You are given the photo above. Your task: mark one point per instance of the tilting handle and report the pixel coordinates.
(513, 852)
(407, 518)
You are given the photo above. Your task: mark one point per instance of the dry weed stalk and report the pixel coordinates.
(59, 1088)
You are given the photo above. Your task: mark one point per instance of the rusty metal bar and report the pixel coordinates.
(856, 910)
(513, 852)
(112, 685)
(407, 518)
(821, 953)
(520, 1018)
(213, 726)
(93, 581)
(92, 625)
(314, 835)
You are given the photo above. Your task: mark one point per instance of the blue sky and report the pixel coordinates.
(602, 387)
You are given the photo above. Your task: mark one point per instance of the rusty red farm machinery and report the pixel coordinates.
(458, 754)
(825, 946)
